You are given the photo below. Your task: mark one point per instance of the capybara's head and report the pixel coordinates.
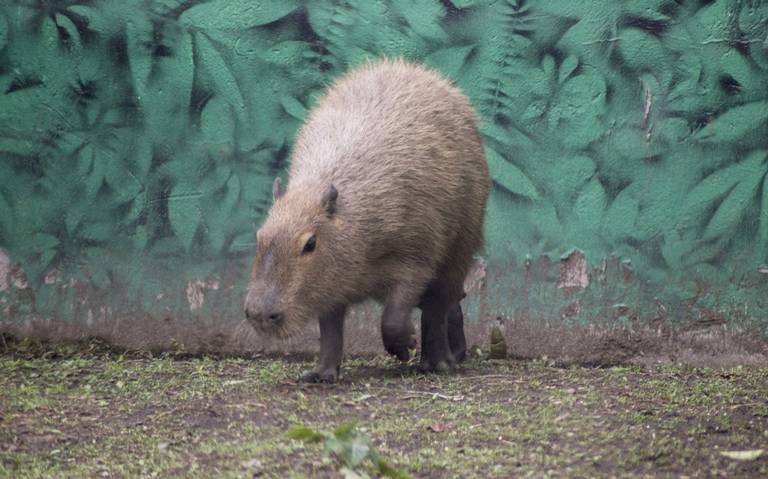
(294, 258)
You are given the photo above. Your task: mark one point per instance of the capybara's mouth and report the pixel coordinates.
(278, 330)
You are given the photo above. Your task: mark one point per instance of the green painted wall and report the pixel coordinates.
(138, 140)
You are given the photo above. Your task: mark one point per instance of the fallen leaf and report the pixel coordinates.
(743, 455)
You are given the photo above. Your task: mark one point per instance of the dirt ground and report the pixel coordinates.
(83, 412)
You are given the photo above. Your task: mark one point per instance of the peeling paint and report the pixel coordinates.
(5, 269)
(195, 295)
(196, 292)
(475, 280)
(52, 277)
(646, 114)
(573, 271)
(629, 273)
(570, 310)
(19, 277)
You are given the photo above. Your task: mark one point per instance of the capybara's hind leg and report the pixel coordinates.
(397, 330)
(456, 340)
(331, 346)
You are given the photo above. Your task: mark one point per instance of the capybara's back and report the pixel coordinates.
(386, 198)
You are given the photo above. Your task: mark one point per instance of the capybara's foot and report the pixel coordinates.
(399, 344)
(437, 365)
(427, 366)
(401, 351)
(325, 376)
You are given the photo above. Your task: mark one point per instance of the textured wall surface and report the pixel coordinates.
(628, 144)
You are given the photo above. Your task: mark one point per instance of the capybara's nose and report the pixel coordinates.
(273, 317)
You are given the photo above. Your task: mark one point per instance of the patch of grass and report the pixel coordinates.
(111, 415)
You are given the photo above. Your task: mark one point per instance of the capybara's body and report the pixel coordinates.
(385, 199)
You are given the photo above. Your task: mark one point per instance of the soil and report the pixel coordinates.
(88, 412)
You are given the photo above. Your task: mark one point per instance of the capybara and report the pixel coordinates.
(385, 199)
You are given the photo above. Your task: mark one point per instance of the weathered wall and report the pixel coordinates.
(627, 142)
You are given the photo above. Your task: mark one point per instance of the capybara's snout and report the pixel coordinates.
(262, 309)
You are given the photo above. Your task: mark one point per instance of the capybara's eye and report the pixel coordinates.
(309, 246)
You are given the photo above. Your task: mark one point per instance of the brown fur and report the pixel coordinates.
(401, 147)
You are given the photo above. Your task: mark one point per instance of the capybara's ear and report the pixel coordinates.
(277, 188)
(329, 200)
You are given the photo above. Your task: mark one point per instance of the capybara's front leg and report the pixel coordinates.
(397, 330)
(331, 347)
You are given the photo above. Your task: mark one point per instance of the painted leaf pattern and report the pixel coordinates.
(139, 139)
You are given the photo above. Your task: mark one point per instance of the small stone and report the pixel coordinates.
(252, 464)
